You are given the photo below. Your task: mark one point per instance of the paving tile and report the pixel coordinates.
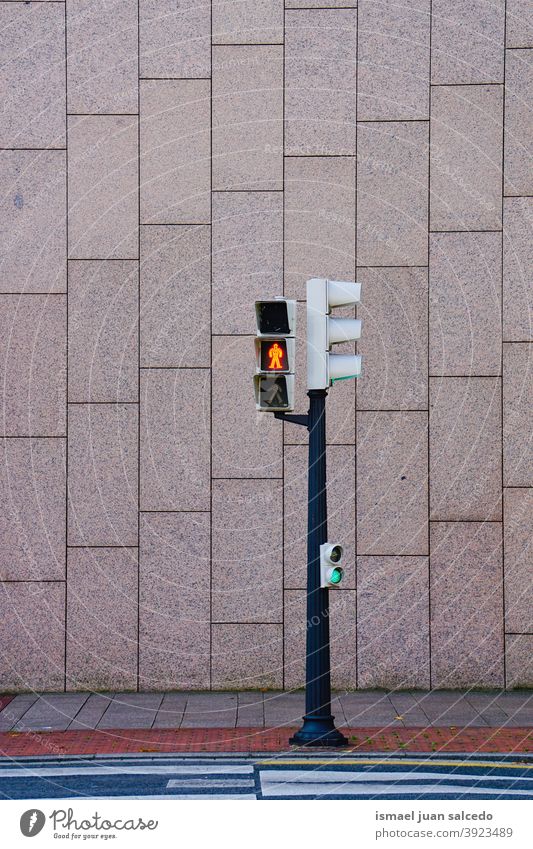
(320, 80)
(174, 38)
(171, 711)
(283, 709)
(394, 314)
(102, 68)
(247, 256)
(135, 710)
(218, 711)
(103, 331)
(175, 435)
(33, 364)
(32, 45)
(102, 612)
(518, 143)
(519, 24)
(393, 60)
(103, 187)
(517, 264)
(466, 156)
(175, 296)
(465, 38)
(486, 704)
(518, 547)
(247, 656)
(15, 710)
(32, 509)
(102, 474)
(320, 4)
(393, 636)
(248, 22)
(175, 151)
(392, 193)
(174, 602)
(92, 711)
(248, 81)
(466, 604)
(247, 551)
(465, 448)
(465, 272)
(250, 712)
(32, 220)
(517, 400)
(392, 489)
(51, 712)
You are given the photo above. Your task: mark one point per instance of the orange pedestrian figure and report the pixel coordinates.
(275, 354)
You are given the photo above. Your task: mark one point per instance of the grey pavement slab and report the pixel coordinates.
(250, 713)
(132, 710)
(92, 711)
(283, 709)
(171, 710)
(52, 712)
(16, 709)
(211, 710)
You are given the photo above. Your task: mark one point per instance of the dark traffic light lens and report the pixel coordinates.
(273, 392)
(272, 317)
(335, 554)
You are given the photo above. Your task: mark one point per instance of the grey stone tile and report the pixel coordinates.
(174, 601)
(518, 546)
(135, 710)
(465, 272)
(517, 400)
(250, 713)
(248, 117)
(33, 364)
(519, 24)
(175, 434)
(518, 145)
(465, 448)
(15, 710)
(392, 490)
(102, 618)
(320, 4)
(102, 67)
(320, 80)
(393, 60)
(394, 339)
(466, 604)
(283, 709)
(103, 331)
(392, 193)
(393, 622)
(248, 22)
(171, 711)
(92, 711)
(175, 151)
(32, 509)
(219, 710)
(33, 220)
(465, 38)
(32, 45)
(517, 264)
(102, 474)
(247, 656)
(103, 187)
(175, 296)
(466, 157)
(175, 38)
(51, 712)
(247, 256)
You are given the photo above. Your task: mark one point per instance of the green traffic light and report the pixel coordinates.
(336, 576)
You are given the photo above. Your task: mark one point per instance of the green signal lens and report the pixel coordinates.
(336, 575)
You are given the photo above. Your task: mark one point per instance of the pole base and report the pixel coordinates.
(319, 731)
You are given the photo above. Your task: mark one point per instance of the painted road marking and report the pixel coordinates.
(370, 789)
(382, 762)
(48, 772)
(211, 782)
(320, 776)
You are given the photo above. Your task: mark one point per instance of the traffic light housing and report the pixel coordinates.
(324, 330)
(275, 351)
(331, 569)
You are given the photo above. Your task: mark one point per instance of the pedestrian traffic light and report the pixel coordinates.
(331, 571)
(323, 331)
(275, 353)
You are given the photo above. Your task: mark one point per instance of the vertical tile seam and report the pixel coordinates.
(211, 354)
(138, 344)
(504, 93)
(356, 561)
(66, 363)
(283, 679)
(430, 647)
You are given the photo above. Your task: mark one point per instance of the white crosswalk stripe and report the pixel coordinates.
(103, 769)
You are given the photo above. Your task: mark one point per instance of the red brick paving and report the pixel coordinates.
(446, 739)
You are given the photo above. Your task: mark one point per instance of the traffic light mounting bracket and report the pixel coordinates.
(293, 419)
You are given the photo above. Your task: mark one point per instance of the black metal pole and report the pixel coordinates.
(318, 727)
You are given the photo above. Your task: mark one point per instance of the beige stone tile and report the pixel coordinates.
(393, 60)
(392, 187)
(517, 401)
(175, 433)
(175, 151)
(102, 619)
(246, 657)
(102, 68)
(519, 23)
(320, 4)
(319, 220)
(517, 265)
(247, 256)
(393, 622)
(465, 448)
(518, 546)
(466, 39)
(102, 474)
(32, 46)
(33, 364)
(465, 272)
(246, 443)
(394, 339)
(248, 21)
(518, 144)
(102, 338)
(248, 117)
(392, 490)
(320, 95)
(32, 509)
(247, 551)
(32, 636)
(466, 604)
(175, 296)
(102, 186)
(174, 602)
(341, 510)
(518, 660)
(466, 157)
(175, 38)
(33, 221)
